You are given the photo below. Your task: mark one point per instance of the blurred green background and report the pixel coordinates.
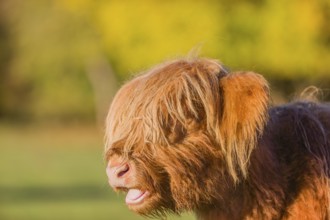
(61, 61)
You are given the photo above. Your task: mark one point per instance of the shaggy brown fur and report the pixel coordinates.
(198, 138)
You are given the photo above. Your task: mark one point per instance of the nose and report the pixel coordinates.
(117, 174)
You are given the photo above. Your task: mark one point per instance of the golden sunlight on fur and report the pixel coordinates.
(187, 135)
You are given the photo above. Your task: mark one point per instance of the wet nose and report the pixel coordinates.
(116, 174)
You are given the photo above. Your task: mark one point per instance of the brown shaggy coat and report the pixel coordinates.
(198, 138)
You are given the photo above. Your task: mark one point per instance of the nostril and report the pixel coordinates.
(117, 173)
(122, 170)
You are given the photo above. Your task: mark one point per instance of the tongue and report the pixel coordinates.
(133, 194)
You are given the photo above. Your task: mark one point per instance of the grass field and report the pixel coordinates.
(52, 172)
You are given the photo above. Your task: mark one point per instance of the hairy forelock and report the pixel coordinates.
(174, 92)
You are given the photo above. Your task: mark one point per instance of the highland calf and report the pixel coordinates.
(189, 136)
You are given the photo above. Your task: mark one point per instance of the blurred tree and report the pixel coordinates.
(52, 50)
(279, 37)
(62, 58)
(324, 31)
(104, 83)
(5, 56)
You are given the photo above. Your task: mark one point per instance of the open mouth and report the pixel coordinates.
(135, 196)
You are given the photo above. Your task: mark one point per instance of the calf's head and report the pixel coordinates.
(180, 135)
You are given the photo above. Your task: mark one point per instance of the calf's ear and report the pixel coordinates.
(245, 104)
